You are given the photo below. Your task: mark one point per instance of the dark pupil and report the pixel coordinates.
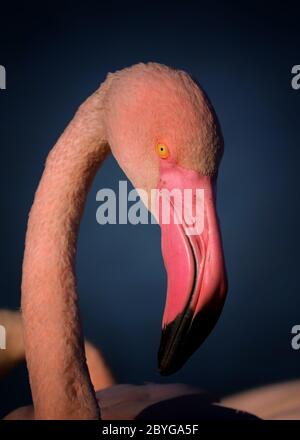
(161, 149)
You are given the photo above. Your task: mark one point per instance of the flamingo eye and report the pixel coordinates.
(162, 151)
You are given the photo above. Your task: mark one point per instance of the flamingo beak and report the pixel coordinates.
(193, 257)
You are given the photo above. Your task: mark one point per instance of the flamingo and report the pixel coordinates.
(162, 130)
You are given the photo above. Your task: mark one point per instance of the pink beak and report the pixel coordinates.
(194, 261)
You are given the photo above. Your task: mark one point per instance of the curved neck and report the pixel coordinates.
(59, 378)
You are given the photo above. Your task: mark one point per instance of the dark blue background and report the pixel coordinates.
(55, 56)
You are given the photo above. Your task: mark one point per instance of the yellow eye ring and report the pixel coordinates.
(162, 151)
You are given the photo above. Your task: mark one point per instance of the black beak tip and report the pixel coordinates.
(173, 353)
(167, 366)
(183, 336)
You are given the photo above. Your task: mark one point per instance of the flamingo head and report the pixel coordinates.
(165, 135)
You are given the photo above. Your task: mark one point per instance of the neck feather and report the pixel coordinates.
(59, 378)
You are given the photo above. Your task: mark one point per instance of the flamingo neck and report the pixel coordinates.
(59, 378)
